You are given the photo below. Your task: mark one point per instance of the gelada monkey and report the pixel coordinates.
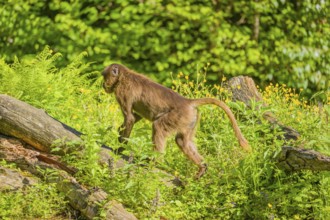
(169, 112)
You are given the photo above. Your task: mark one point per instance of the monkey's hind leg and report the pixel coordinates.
(159, 135)
(160, 131)
(190, 150)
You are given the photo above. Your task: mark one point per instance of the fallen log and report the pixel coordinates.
(296, 159)
(38, 129)
(22, 151)
(32, 125)
(290, 158)
(88, 202)
(11, 180)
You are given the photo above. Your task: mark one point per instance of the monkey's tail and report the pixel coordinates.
(204, 101)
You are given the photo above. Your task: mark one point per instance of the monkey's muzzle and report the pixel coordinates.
(108, 89)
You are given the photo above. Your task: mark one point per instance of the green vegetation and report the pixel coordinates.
(275, 41)
(237, 185)
(41, 201)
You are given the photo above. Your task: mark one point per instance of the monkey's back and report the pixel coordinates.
(152, 100)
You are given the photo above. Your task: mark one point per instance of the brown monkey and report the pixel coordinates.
(169, 112)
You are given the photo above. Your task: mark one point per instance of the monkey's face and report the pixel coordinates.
(111, 77)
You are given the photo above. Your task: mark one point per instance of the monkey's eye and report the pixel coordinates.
(115, 71)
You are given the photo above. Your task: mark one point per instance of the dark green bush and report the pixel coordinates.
(282, 41)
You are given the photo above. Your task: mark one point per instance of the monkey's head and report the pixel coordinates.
(111, 75)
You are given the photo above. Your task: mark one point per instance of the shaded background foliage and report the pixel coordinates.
(271, 40)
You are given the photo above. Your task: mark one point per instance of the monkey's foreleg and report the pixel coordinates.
(126, 128)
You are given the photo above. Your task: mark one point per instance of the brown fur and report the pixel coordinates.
(139, 97)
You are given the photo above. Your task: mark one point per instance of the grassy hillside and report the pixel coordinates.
(237, 185)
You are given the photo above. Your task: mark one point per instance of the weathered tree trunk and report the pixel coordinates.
(243, 89)
(12, 180)
(256, 24)
(301, 159)
(36, 128)
(88, 202)
(32, 125)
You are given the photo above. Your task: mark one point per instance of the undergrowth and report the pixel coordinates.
(237, 185)
(42, 200)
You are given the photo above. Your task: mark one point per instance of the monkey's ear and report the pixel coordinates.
(115, 71)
